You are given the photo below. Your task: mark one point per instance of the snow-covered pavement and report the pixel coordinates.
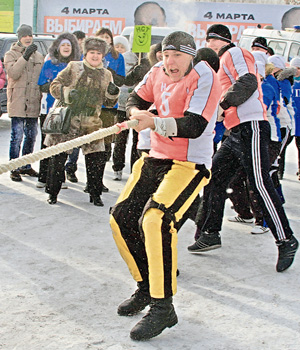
(62, 277)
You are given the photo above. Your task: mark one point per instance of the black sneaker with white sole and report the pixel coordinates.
(286, 253)
(206, 241)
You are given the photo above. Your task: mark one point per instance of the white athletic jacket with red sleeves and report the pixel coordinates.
(234, 64)
(199, 93)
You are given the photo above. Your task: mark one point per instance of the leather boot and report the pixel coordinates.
(160, 316)
(15, 176)
(137, 302)
(96, 200)
(52, 199)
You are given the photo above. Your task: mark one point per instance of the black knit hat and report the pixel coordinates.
(218, 31)
(208, 55)
(24, 30)
(179, 41)
(94, 43)
(260, 42)
(157, 48)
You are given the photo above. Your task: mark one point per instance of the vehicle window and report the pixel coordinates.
(278, 47)
(246, 43)
(294, 51)
(8, 44)
(40, 48)
(48, 43)
(156, 39)
(1, 44)
(5, 46)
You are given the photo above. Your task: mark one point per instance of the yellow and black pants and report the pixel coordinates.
(145, 218)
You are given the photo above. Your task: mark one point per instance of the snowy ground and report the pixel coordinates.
(62, 278)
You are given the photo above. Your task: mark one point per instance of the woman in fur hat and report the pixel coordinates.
(63, 50)
(84, 86)
(121, 44)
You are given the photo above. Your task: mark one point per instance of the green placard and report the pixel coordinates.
(6, 15)
(141, 39)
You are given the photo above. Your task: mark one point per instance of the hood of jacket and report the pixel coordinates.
(53, 49)
(287, 73)
(17, 47)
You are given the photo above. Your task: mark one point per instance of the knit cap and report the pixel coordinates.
(157, 48)
(64, 41)
(208, 55)
(24, 30)
(179, 41)
(260, 42)
(218, 31)
(278, 61)
(94, 43)
(295, 62)
(119, 39)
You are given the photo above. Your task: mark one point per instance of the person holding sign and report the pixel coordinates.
(179, 104)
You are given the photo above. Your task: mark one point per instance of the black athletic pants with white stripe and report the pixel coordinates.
(147, 216)
(247, 145)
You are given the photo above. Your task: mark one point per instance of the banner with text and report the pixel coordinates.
(57, 16)
(89, 25)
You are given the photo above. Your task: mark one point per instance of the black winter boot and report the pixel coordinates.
(137, 302)
(15, 176)
(52, 199)
(72, 177)
(160, 316)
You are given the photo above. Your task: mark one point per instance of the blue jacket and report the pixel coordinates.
(270, 100)
(116, 64)
(272, 81)
(296, 105)
(48, 73)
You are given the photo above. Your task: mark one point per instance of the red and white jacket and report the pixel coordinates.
(197, 93)
(235, 63)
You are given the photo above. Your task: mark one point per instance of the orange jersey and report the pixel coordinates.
(199, 93)
(234, 63)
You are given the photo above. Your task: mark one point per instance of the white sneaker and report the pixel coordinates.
(40, 184)
(257, 229)
(64, 186)
(239, 219)
(118, 175)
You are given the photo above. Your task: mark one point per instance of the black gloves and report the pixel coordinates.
(112, 89)
(286, 101)
(225, 105)
(45, 87)
(118, 79)
(29, 51)
(73, 95)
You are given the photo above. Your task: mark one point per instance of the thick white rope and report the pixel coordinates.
(65, 146)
